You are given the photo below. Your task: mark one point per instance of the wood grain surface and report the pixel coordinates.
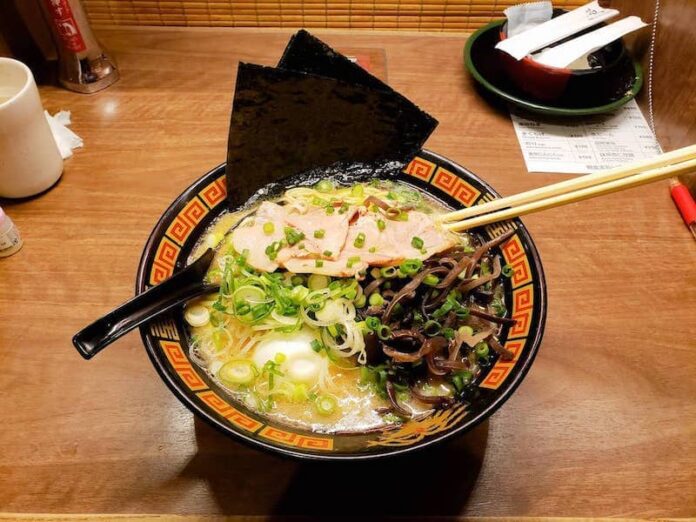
(604, 424)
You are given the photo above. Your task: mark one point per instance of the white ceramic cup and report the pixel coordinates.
(29, 158)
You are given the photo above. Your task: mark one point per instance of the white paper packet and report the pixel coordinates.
(522, 17)
(66, 139)
(522, 44)
(566, 53)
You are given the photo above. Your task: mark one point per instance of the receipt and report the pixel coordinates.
(584, 145)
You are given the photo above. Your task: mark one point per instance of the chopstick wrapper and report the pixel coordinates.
(556, 29)
(566, 53)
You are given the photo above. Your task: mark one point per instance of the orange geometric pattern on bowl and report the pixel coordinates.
(165, 259)
(455, 186)
(420, 168)
(497, 375)
(224, 409)
(177, 358)
(295, 439)
(185, 222)
(214, 193)
(522, 308)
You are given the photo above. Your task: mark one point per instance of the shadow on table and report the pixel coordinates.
(246, 481)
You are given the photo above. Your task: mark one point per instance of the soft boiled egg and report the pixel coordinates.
(301, 365)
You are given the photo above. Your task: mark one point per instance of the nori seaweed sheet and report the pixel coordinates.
(287, 122)
(307, 53)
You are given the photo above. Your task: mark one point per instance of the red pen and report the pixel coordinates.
(685, 203)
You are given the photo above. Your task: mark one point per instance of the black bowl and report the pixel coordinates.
(167, 339)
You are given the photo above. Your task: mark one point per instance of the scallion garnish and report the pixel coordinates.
(319, 234)
(508, 270)
(416, 242)
(359, 240)
(268, 228)
(381, 225)
(352, 260)
(318, 263)
(293, 236)
(411, 266)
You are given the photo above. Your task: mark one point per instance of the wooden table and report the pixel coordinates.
(604, 424)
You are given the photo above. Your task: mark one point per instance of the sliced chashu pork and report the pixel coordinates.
(393, 245)
(250, 236)
(334, 227)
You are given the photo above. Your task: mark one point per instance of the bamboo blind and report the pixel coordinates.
(413, 15)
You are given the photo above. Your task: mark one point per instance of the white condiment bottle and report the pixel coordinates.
(10, 240)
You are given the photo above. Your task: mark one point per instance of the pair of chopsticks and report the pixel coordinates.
(592, 185)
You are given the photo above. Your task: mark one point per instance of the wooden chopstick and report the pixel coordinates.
(589, 180)
(536, 205)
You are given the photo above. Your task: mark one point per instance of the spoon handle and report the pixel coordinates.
(182, 286)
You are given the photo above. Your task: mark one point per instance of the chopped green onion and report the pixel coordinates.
(319, 234)
(461, 379)
(268, 228)
(297, 280)
(317, 345)
(466, 330)
(372, 323)
(482, 349)
(444, 309)
(359, 240)
(280, 358)
(293, 236)
(324, 186)
(319, 202)
(448, 333)
(317, 281)
(416, 242)
(330, 210)
(388, 272)
(381, 225)
(352, 260)
(372, 250)
(361, 301)
(326, 404)
(241, 308)
(299, 293)
(376, 299)
(411, 266)
(236, 372)
(383, 332)
(357, 191)
(334, 330)
(431, 328)
(318, 263)
(508, 270)
(431, 280)
(462, 312)
(327, 253)
(343, 209)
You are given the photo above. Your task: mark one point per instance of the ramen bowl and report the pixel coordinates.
(167, 339)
